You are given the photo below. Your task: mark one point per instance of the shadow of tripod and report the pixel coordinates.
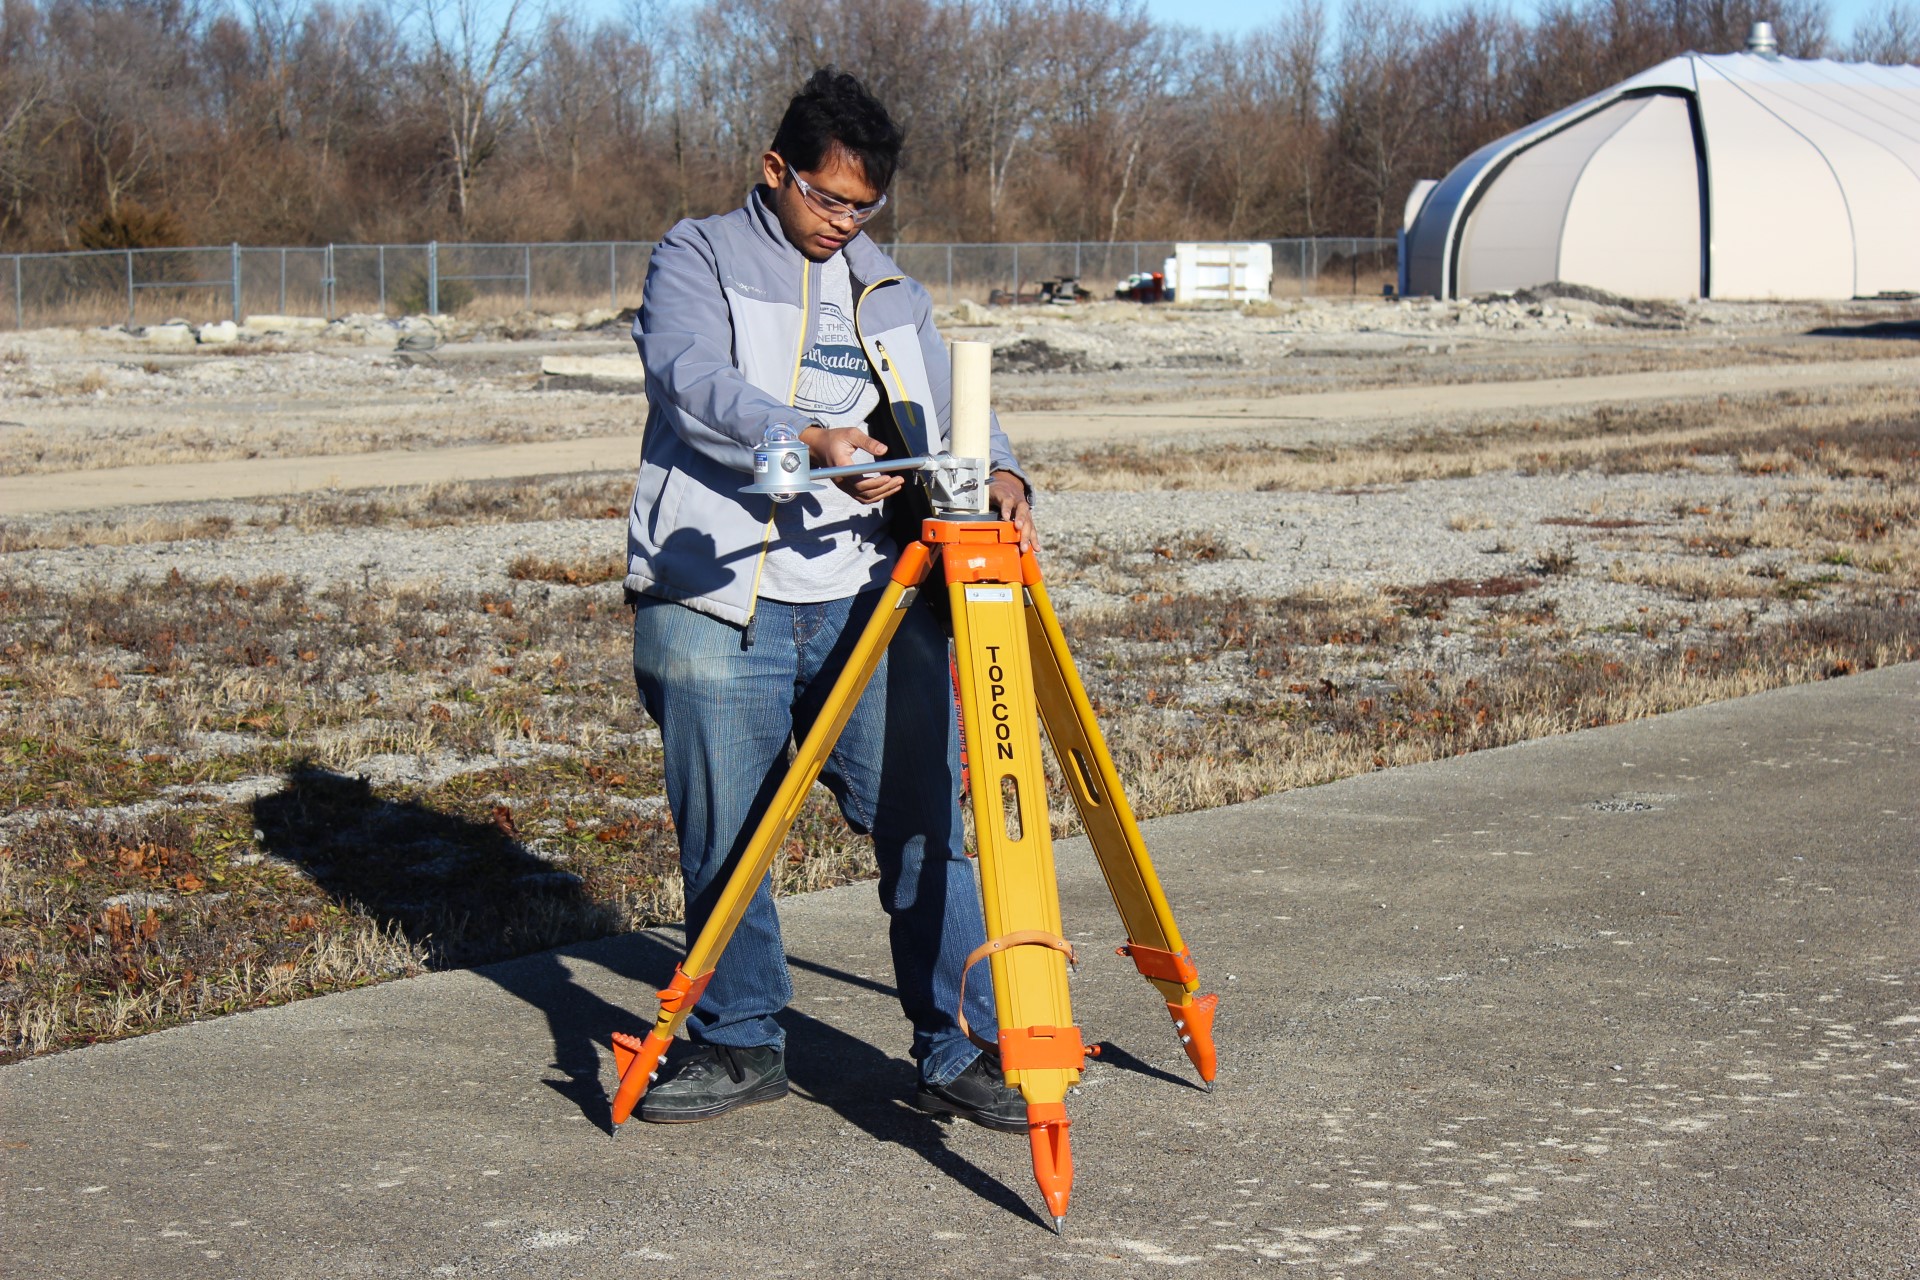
(856, 1080)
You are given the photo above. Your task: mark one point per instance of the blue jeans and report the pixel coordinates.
(727, 700)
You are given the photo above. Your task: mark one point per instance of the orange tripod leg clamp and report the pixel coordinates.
(1168, 966)
(638, 1061)
(1193, 1016)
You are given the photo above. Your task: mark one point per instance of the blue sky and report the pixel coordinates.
(1227, 16)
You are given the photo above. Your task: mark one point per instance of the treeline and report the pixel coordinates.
(157, 122)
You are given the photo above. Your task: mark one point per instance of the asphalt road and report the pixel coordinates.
(1639, 1001)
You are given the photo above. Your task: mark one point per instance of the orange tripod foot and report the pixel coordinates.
(638, 1062)
(1194, 1022)
(1052, 1158)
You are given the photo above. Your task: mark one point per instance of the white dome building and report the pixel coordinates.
(1738, 175)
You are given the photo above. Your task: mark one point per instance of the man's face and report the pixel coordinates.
(820, 225)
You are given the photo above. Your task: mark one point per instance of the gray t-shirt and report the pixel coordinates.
(827, 545)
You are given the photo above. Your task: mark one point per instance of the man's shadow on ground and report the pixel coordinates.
(468, 892)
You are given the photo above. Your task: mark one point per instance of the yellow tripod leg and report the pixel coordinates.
(1153, 940)
(637, 1061)
(1041, 1051)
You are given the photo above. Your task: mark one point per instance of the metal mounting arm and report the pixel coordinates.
(783, 467)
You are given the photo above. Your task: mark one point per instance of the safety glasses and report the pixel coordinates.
(832, 208)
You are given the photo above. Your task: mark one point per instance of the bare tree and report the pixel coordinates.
(1007, 88)
(1889, 35)
(1380, 103)
(114, 67)
(472, 68)
(24, 94)
(314, 120)
(1293, 50)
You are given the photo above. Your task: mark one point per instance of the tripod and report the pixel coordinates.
(1014, 675)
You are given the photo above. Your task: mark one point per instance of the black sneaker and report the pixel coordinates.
(713, 1079)
(980, 1094)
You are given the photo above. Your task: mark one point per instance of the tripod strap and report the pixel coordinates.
(992, 946)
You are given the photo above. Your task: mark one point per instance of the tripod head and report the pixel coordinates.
(783, 467)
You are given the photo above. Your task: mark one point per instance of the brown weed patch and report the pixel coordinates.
(577, 572)
(1594, 522)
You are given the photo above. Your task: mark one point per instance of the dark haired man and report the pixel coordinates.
(784, 313)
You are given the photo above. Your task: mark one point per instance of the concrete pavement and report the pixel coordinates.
(1316, 418)
(1643, 1000)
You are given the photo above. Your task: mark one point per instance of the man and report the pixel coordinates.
(784, 313)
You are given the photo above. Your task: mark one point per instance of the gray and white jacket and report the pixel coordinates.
(729, 309)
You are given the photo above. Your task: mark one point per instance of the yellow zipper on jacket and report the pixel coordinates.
(793, 393)
(887, 365)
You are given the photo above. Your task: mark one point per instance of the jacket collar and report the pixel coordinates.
(867, 261)
(766, 221)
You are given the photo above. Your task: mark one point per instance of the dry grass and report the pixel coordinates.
(1692, 582)
(208, 744)
(582, 570)
(150, 668)
(572, 497)
(110, 533)
(224, 794)
(1295, 728)
(1873, 433)
(518, 806)
(117, 926)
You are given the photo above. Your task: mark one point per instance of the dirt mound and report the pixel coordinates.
(1661, 314)
(1036, 355)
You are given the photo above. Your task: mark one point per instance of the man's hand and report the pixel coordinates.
(840, 447)
(1008, 494)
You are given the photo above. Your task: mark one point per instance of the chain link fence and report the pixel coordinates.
(1320, 267)
(138, 287)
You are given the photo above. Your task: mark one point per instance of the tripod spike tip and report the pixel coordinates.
(1059, 1225)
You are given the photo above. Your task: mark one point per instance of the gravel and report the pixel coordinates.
(1100, 547)
(1271, 545)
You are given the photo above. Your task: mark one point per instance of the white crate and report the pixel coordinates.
(1220, 271)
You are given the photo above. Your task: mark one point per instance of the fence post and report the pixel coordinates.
(433, 277)
(526, 273)
(327, 286)
(613, 275)
(233, 250)
(1016, 275)
(129, 288)
(1303, 266)
(1076, 259)
(19, 307)
(382, 257)
(949, 275)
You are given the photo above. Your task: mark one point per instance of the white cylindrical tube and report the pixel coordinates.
(972, 399)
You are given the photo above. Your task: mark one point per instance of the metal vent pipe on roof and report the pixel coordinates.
(1760, 40)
